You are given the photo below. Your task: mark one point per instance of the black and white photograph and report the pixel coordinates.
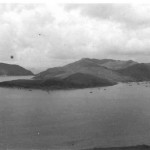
(74, 76)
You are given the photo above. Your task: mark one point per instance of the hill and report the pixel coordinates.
(77, 80)
(83, 73)
(92, 67)
(13, 70)
(118, 64)
(138, 72)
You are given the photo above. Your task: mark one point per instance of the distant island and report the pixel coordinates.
(13, 70)
(74, 81)
(84, 73)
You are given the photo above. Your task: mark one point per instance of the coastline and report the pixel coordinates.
(137, 147)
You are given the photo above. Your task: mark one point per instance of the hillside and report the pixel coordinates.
(87, 80)
(112, 64)
(77, 80)
(13, 70)
(117, 64)
(86, 66)
(138, 72)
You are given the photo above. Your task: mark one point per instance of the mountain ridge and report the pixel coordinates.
(94, 67)
(13, 70)
(86, 73)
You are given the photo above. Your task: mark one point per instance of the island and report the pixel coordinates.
(85, 73)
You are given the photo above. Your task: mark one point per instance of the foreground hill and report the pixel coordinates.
(77, 80)
(13, 70)
(139, 147)
(93, 67)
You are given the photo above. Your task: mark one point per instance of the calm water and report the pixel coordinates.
(9, 78)
(75, 119)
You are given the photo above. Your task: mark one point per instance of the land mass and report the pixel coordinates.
(13, 70)
(86, 73)
(77, 80)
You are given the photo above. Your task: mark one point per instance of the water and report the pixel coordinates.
(74, 119)
(9, 78)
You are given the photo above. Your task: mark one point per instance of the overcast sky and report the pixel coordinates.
(47, 35)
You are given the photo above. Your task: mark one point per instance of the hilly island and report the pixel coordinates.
(13, 70)
(83, 73)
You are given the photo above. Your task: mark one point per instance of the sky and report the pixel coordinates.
(44, 35)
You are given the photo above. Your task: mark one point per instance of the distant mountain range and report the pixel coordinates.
(13, 70)
(104, 69)
(89, 73)
(108, 69)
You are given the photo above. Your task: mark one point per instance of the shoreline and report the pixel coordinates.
(136, 147)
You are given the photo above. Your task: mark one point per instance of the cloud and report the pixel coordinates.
(44, 35)
(128, 14)
(20, 28)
